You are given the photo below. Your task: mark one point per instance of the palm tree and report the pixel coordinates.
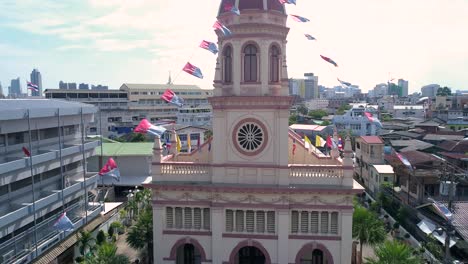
(107, 254)
(393, 252)
(140, 235)
(367, 228)
(85, 241)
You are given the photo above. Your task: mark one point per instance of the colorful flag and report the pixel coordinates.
(210, 46)
(26, 152)
(32, 86)
(219, 26)
(168, 143)
(329, 60)
(299, 18)
(110, 170)
(287, 1)
(170, 97)
(178, 143)
(307, 142)
(442, 209)
(331, 142)
(231, 8)
(373, 119)
(344, 83)
(189, 144)
(404, 160)
(63, 223)
(309, 37)
(340, 143)
(146, 127)
(294, 147)
(319, 141)
(193, 70)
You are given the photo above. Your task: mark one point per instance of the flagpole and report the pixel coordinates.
(101, 161)
(60, 157)
(84, 166)
(32, 180)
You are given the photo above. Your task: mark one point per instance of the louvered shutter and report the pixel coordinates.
(178, 217)
(324, 222)
(197, 218)
(206, 219)
(271, 221)
(169, 217)
(239, 221)
(229, 220)
(188, 218)
(249, 221)
(260, 222)
(305, 222)
(314, 219)
(294, 221)
(334, 223)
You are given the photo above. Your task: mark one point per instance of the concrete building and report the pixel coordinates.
(71, 86)
(380, 174)
(311, 86)
(379, 90)
(356, 122)
(61, 182)
(15, 88)
(407, 111)
(404, 87)
(63, 85)
(246, 198)
(316, 104)
(429, 90)
(122, 110)
(369, 152)
(36, 78)
(83, 86)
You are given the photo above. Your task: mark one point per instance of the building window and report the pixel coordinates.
(260, 222)
(314, 222)
(229, 220)
(334, 223)
(227, 64)
(188, 218)
(250, 136)
(324, 222)
(294, 221)
(304, 222)
(169, 217)
(250, 63)
(271, 221)
(239, 221)
(309, 222)
(250, 221)
(274, 64)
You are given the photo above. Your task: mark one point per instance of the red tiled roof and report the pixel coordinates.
(417, 157)
(372, 139)
(454, 155)
(454, 146)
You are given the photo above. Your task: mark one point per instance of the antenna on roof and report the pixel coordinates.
(169, 81)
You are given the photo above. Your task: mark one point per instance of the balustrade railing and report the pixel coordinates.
(315, 171)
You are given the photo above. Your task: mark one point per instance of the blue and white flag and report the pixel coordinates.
(63, 223)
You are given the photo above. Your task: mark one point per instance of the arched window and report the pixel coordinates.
(274, 64)
(227, 64)
(250, 63)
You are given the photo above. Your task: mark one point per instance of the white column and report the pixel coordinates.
(264, 69)
(217, 222)
(283, 227)
(158, 225)
(346, 227)
(236, 66)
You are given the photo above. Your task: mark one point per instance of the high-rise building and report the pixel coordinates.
(71, 86)
(36, 79)
(429, 90)
(63, 85)
(1, 91)
(253, 193)
(99, 87)
(15, 88)
(404, 87)
(83, 86)
(44, 174)
(311, 86)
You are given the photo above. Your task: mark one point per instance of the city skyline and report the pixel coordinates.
(114, 42)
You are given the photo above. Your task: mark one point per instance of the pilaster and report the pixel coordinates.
(158, 217)
(217, 221)
(346, 237)
(283, 236)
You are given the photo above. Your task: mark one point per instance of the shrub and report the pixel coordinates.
(101, 237)
(396, 225)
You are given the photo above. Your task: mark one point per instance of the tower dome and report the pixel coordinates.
(244, 5)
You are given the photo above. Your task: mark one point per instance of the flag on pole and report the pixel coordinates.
(340, 144)
(294, 147)
(309, 37)
(209, 147)
(168, 143)
(219, 26)
(307, 142)
(329, 60)
(405, 161)
(231, 8)
(344, 83)
(373, 119)
(146, 127)
(299, 18)
(198, 145)
(331, 142)
(178, 143)
(32, 86)
(189, 144)
(170, 97)
(193, 70)
(26, 152)
(110, 170)
(319, 141)
(63, 223)
(287, 1)
(210, 46)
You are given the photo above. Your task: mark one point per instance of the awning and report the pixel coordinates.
(428, 227)
(127, 180)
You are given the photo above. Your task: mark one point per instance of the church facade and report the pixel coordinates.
(253, 193)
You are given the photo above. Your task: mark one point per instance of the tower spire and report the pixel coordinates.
(169, 81)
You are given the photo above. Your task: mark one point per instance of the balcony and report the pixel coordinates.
(16, 161)
(186, 171)
(316, 174)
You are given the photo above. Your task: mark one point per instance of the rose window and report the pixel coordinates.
(250, 136)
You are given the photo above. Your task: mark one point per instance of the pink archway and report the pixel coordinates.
(249, 243)
(187, 240)
(310, 247)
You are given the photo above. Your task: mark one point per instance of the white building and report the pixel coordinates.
(62, 183)
(379, 90)
(429, 90)
(316, 104)
(405, 111)
(246, 198)
(355, 121)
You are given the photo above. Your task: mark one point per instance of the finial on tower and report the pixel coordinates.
(169, 81)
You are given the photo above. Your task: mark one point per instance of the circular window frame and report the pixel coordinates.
(235, 141)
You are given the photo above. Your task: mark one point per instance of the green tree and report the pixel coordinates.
(101, 237)
(302, 109)
(85, 242)
(140, 235)
(137, 137)
(292, 119)
(393, 252)
(342, 109)
(318, 114)
(107, 254)
(326, 123)
(444, 91)
(433, 246)
(367, 228)
(207, 135)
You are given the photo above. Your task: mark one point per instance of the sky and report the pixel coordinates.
(112, 42)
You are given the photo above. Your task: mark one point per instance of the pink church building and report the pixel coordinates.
(253, 193)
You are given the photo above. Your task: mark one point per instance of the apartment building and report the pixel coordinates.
(355, 122)
(369, 152)
(46, 178)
